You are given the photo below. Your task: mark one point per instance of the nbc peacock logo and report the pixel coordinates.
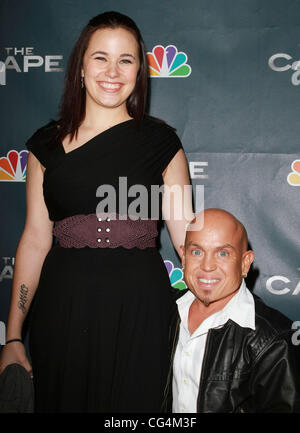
(175, 275)
(167, 62)
(294, 177)
(13, 166)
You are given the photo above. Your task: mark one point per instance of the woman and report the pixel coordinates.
(99, 325)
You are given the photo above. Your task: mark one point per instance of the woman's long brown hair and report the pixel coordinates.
(72, 108)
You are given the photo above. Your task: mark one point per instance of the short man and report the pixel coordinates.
(231, 352)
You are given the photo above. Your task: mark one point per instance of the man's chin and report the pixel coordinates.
(206, 301)
(206, 297)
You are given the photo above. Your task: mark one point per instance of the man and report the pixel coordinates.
(231, 352)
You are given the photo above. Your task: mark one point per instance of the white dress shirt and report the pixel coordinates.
(189, 353)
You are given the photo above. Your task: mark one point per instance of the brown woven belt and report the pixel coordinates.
(105, 231)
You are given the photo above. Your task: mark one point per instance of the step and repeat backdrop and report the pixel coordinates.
(224, 73)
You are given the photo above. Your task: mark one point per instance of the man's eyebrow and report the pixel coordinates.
(225, 246)
(219, 247)
(193, 244)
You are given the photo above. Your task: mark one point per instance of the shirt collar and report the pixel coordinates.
(240, 308)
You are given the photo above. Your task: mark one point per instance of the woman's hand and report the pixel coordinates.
(14, 353)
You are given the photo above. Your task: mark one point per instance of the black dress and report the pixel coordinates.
(99, 320)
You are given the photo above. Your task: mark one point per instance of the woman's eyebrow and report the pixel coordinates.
(100, 52)
(104, 53)
(127, 55)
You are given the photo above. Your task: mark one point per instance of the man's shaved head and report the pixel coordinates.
(219, 216)
(215, 256)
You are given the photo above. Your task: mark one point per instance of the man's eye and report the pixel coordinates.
(196, 252)
(223, 253)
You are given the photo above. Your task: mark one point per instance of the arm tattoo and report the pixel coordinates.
(23, 297)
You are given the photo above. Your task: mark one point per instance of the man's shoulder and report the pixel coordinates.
(272, 328)
(269, 319)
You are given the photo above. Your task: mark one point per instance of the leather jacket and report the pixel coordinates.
(246, 370)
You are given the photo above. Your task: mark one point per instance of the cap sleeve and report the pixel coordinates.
(37, 143)
(169, 148)
(167, 144)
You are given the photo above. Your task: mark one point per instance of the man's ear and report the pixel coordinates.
(247, 260)
(182, 255)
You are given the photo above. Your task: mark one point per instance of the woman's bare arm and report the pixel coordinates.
(34, 244)
(177, 206)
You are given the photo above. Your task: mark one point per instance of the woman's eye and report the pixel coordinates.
(126, 61)
(100, 58)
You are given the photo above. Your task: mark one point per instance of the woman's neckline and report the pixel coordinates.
(105, 131)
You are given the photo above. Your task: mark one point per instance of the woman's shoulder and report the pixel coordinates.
(40, 142)
(46, 131)
(157, 124)
(158, 130)
(162, 140)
